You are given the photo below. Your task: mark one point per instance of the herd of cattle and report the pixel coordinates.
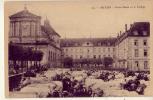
(86, 83)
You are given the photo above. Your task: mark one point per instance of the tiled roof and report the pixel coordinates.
(24, 13)
(95, 41)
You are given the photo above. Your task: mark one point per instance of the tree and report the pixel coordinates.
(99, 61)
(108, 61)
(68, 62)
(24, 54)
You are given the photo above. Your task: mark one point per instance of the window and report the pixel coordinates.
(87, 43)
(80, 56)
(76, 56)
(67, 44)
(66, 50)
(94, 56)
(99, 50)
(113, 49)
(49, 56)
(108, 43)
(88, 50)
(113, 56)
(94, 49)
(135, 32)
(99, 44)
(99, 56)
(136, 42)
(144, 33)
(76, 44)
(136, 64)
(145, 53)
(136, 53)
(145, 64)
(55, 56)
(108, 49)
(80, 50)
(144, 42)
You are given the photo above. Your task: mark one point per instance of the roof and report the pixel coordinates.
(137, 29)
(95, 41)
(45, 33)
(49, 29)
(24, 13)
(140, 27)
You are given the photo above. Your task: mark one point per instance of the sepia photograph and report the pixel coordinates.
(63, 49)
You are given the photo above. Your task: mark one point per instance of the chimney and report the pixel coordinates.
(117, 34)
(120, 33)
(125, 27)
(131, 25)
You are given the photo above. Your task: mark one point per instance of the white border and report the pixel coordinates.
(2, 80)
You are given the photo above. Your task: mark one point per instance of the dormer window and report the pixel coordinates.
(76, 44)
(135, 32)
(108, 44)
(99, 43)
(67, 44)
(144, 33)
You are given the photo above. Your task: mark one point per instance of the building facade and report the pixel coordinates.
(26, 30)
(132, 47)
(129, 50)
(88, 47)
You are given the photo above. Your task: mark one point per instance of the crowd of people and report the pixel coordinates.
(87, 83)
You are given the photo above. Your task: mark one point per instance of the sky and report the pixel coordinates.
(86, 18)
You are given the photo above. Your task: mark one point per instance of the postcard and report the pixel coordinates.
(80, 48)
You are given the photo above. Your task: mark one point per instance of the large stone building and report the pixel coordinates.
(88, 47)
(129, 50)
(132, 47)
(26, 30)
